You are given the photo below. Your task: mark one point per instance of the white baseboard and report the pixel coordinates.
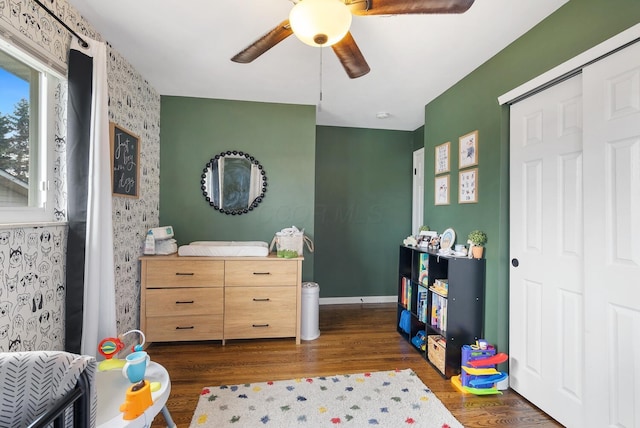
(356, 299)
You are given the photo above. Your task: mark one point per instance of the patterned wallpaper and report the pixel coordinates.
(32, 258)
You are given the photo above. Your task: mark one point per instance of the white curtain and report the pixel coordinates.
(99, 309)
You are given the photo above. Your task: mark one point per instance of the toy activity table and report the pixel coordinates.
(111, 387)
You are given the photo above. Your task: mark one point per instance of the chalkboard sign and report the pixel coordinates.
(125, 162)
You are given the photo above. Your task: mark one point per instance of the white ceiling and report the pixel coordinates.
(184, 48)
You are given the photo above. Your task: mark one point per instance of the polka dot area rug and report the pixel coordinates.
(385, 399)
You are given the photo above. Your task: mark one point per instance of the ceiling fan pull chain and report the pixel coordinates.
(320, 100)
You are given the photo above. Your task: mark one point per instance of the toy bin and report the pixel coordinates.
(436, 347)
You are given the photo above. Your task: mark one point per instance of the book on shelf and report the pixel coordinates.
(405, 292)
(421, 304)
(438, 316)
(423, 268)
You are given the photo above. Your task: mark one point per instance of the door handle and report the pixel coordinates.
(515, 262)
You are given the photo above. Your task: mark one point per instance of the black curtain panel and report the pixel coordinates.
(80, 76)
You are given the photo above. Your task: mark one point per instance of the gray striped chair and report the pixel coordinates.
(47, 388)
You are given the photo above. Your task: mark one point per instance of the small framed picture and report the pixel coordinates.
(442, 158)
(125, 162)
(425, 237)
(442, 190)
(468, 149)
(468, 192)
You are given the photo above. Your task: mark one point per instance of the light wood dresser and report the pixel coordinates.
(219, 298)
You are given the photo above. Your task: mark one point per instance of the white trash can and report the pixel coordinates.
(309, 329)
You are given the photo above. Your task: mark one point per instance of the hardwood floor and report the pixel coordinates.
(353, 339)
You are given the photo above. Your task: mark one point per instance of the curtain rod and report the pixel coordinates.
(84, 44)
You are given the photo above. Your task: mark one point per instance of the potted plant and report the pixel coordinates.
(477, 239)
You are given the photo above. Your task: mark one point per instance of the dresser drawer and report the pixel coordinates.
(184, 301)
(179, 328)
(184, 273)
(255, 312)
(260, 272)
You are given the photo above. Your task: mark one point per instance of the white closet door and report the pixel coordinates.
(546, 346)
(612, 238)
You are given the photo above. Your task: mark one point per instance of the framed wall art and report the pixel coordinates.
(468, 191)
(125, 162)
(442, 158)
(442, 190)
(468, 149)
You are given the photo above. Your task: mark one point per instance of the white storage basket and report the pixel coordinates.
(291, 244)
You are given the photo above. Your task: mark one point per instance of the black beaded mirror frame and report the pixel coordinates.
(210, 198)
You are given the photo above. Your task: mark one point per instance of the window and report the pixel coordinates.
(26, 137)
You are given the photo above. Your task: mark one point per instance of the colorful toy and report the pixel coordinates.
(110, 346)
(137, 400)
(479, 372)
(455, 381)
(420, 340)
(484, 362)
(483, 381)
(479, 375)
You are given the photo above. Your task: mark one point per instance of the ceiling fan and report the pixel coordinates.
(326, 23)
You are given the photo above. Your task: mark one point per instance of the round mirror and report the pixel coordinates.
(233, 182)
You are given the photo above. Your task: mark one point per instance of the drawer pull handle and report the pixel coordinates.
(260, 325)
(185, 328)
(183, 303)
(184, 273)
(261, 300)
(262, 273)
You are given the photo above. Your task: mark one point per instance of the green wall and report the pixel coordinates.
(418, 139)
(363, 209)
(472, 104)
(281, 137)
(351, 188)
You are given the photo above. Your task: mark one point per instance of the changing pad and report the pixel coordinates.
(225, 249)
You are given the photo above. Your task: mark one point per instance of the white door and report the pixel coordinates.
(417, 212)
(546, 348)
(612, 238)
(575, 233)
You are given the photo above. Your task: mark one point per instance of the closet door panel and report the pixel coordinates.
(546, 344)
(612, 237)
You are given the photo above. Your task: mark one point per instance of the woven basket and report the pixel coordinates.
(436, 351)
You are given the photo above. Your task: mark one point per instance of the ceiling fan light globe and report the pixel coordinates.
(320, 22)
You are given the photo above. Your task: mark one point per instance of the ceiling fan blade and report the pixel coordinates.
(350, 56)
(264, 43)
(402, 7)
